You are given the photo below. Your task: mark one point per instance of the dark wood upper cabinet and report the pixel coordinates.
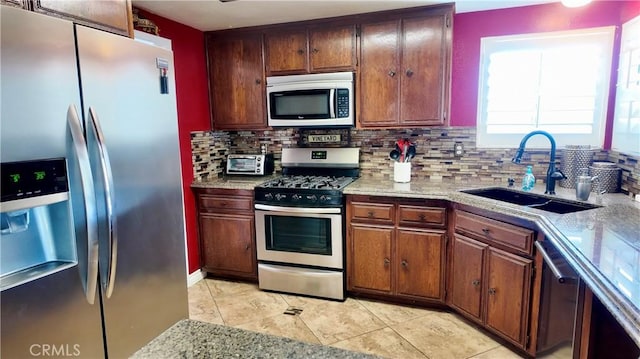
(332, 48)
(404, 71)
(113, 15)
(236, 81)
(307, 50)
(287, 52)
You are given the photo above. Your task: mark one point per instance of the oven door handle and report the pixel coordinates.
(265, 207)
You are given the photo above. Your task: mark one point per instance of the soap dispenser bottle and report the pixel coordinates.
(529, 180)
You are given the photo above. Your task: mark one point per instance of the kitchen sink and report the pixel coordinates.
(545, 203)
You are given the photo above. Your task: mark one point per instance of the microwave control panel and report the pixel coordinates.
(342, 99)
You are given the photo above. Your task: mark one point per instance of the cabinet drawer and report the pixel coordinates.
(226, 203)
(492, 231)
(421, 216)
(372, 212)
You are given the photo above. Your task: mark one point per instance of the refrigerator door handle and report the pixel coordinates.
(85, 218)
(106, 194)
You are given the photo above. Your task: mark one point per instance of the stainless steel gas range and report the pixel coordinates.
(300, 222)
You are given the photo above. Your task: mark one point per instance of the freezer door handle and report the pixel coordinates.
(83, 203)
(107, 224)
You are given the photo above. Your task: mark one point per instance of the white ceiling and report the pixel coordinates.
(208, 15)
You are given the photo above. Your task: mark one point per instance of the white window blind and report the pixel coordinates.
(626, 124)
(557, 82)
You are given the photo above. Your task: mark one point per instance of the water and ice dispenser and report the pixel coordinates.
(36, 227)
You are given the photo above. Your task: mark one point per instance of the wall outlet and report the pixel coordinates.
(458, 149)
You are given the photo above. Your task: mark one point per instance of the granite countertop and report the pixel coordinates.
(195, 339)
(602, 244)
(233, 182)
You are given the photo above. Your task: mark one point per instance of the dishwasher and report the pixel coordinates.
(558, 305)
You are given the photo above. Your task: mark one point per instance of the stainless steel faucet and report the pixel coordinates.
(552, 174)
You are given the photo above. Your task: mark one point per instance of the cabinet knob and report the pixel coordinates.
(386, 262)
(370, 214)
(485, 230)
(391, 73)
(404, 263)
(492, 291)
(409, 72)
(315, 51)
(300, 51)
(476, 282)
(422, 217)
(247, 247)
(258, 81)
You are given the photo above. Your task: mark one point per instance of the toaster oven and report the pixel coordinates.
(253, 165)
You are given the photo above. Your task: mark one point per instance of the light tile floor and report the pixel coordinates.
(387, 330)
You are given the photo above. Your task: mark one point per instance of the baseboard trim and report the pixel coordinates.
(195, 277)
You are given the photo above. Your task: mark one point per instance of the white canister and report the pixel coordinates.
(402, 172)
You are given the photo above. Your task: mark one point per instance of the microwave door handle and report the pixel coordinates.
(332, 103)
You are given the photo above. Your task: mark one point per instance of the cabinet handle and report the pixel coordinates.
(386, 262)
(300, 51)
(476, 282)
(246, 248)
(422, 217)
(492, 291)
(409, 72)
(315, 51)
(404, 263)
(485, 231)
(391, 73)
(370, 214)
(258, 81)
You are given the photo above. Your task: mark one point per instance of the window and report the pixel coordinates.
(626, 123)
(557, 82)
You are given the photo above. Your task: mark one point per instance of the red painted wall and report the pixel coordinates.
(192, 94)
(470, 27)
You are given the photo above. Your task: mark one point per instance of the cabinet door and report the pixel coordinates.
(287, 52)
(369, 264)
(332, 48)
(379, 66)
(113, 15)
(420, 258)
(236, 82)
(466, 275)
(423, 71)
(509, 283)
(228, 243)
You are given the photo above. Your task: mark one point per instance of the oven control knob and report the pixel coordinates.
(280, 197)
(268, 196)
(312, 198)
(295, 198)
(325, 199)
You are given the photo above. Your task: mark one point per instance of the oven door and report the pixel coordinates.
(304, 236)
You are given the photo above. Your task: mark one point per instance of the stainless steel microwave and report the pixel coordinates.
(253, 165)
(315, 100)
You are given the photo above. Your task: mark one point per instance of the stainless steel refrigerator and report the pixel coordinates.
(98, 270)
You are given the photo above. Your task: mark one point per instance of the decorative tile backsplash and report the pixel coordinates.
(434, 160)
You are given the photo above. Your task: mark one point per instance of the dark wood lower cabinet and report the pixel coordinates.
(396, 249)
(227, 233)
(601, 334)
(227, 244)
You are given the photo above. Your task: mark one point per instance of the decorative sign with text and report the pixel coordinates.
(324, 138)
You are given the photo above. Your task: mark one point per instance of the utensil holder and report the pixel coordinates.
(402, 172)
